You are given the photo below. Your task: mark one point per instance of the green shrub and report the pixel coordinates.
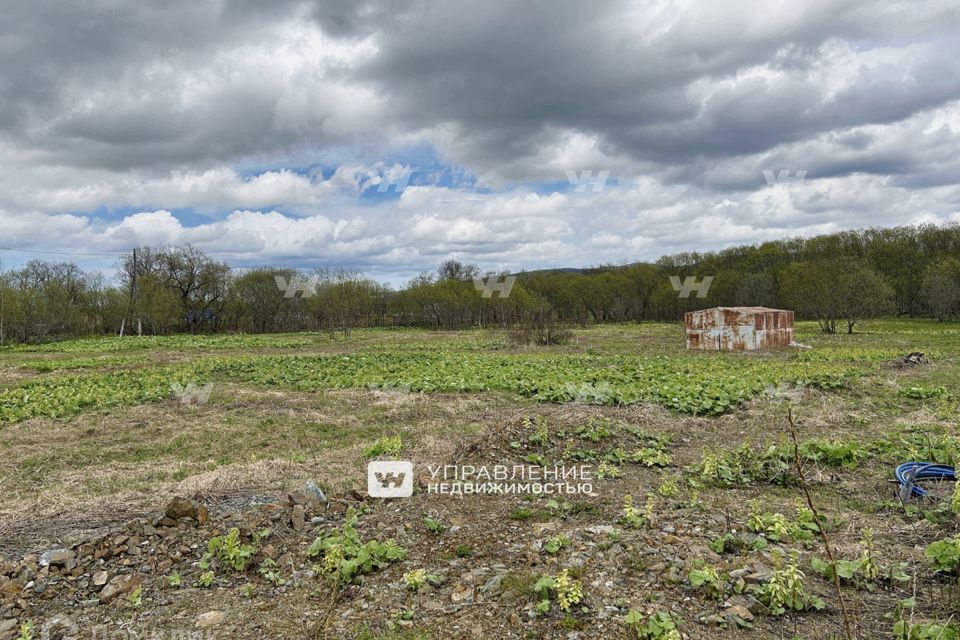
(346, 558)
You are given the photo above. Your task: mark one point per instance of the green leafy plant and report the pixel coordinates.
(650, 457)
(563, 586)
(346, 557)
(554, 544)
(205, 580)
(26, 631)
(595, 430)
(777, 526)
(135, 597)
(540, 429)
(607, 470)
(174, 579)
(270, 571)
(708, 580)
(636, 517)
(659, 626)
(945, 556)
(389, 446)
(668, 487)
(415, 579)
(433, 526)
(925, 393)
(231, 552)
(904, 628)
(834, 453)
(863, 572)
(786, 590)
(537, 459)
(727, 543)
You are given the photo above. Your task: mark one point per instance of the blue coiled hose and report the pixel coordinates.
(909, 473)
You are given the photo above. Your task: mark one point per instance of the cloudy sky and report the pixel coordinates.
(388, 136)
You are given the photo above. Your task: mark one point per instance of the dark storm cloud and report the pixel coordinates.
(690, 105)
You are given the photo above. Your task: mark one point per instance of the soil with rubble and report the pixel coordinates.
(145, 579)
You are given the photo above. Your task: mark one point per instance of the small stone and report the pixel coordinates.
(601, 530)
(311, 489)
(119, 586)
(740, 612)
(298, 517)
(100, 578)
(8, 587)
(758, 577)
(211, 619)
(63, 557)
(8, 626)
(493, 586)
(462, 593)
(184, 508)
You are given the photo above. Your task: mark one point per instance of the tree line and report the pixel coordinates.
(836, 279)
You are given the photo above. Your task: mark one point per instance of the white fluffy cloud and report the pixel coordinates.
(263, 132)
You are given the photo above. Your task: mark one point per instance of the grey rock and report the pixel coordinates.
(311, 489)
(63, 557)
(120, 585)
(493, 586)
(298, 517)
(211, 619)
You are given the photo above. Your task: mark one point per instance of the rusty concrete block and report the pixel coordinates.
(738, 328)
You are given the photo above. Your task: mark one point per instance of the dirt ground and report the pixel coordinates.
(96, 489)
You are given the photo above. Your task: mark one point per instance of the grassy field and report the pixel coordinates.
(96, 432)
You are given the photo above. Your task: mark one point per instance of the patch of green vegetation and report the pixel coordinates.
(906, 628)
(924, 393)
(687, 383)
(745, 465)
(660, 625)
(944, 554)
(777, 527)
(567, 591)
(66, 396)
(345, 557)
(786, 590)
(635, 517)
(46, 366)
(174, 342)
(708, 579)
(230, 552)
(389, 446)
